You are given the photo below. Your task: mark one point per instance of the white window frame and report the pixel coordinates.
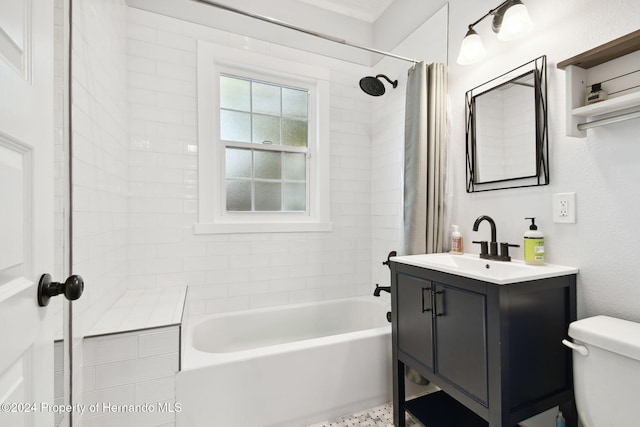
(212, 60)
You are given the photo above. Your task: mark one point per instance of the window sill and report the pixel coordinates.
(261, 227)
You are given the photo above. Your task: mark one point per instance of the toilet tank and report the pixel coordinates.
(615, 335)
(606, 379)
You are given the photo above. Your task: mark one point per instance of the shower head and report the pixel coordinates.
(373, 86)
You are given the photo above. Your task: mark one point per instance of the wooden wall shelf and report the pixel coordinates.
(607, 60)
(604, 53)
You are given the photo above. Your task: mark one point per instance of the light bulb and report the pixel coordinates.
(471, 49)
(516, 23)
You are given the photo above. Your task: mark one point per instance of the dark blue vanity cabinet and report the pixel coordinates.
(494, 350)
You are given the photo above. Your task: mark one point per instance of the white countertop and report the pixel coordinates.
(474, 267)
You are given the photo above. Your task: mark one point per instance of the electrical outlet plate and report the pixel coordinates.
(564, 208)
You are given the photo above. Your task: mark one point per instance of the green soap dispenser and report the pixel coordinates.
(533, 245)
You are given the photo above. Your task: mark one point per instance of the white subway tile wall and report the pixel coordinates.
(100, 156)
(135, 368)
(234, 271)
(387, 164)
(100, 167)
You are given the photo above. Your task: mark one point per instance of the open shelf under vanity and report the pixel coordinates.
(440, 410)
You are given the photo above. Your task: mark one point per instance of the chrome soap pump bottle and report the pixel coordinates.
(533, 245)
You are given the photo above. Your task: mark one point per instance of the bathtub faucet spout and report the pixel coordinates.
(376, 292)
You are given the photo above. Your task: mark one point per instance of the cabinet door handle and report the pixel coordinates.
(424, 310)
(435, 301)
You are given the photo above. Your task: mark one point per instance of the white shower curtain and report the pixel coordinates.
(425, 159)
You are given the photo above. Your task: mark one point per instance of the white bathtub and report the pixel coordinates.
(285, 366)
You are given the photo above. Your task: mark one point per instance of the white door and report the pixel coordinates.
(26, 210)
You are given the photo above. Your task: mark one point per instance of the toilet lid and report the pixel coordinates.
(609, 333)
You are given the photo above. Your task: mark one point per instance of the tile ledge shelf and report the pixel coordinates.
(140, 309)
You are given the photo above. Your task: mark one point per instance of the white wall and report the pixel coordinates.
(134, 368)
(234, 271)
(601, 169)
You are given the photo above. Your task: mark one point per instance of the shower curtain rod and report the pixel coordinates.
(302, 30)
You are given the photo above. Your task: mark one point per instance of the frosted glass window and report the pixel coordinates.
(250, 181)
(295, 197)
(235, 94)
(265, 99)
(268, 165)
(268, 196)
(238, 163)
(266, 129)
(295, 103)
(294, 133)
(238, 195)
(235, 126)
(253, 113)
(295, 166)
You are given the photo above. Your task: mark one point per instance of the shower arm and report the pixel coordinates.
(302, 30)
(394, 83)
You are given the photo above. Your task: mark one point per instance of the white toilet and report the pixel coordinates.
(606, 371)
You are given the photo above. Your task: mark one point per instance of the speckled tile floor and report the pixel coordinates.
(380, 416)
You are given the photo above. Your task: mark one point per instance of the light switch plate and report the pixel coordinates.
(564, 208)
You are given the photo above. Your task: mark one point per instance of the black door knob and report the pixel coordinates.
(72, 288)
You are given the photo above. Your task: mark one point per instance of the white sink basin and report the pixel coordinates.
(474, 267)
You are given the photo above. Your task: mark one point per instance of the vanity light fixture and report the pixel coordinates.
(510, 22)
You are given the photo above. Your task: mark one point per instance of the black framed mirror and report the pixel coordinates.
(506, 129)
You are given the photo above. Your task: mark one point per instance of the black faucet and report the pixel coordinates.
(391, 254)
(493, 244)
(376, 291)
(490, 250)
